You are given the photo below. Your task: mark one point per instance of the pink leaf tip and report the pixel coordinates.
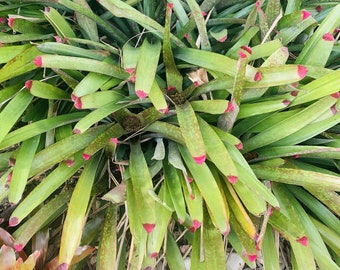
(114, 140)
(38, 61)
(239, 146)
(222, 39)
(227, 231)
(76, 131)
(130, 70)
(2, 20)
(28, 84)
(9, 177)
(336, 95)
(328, 37)
(258, 76)
(78, 104)
(170, 5)
(141, 94)
(13, 221)
(204, 13)
(302, 71)
(47, 9)
(10, 22)
(318, 8)
(18, 247)
(164, 111)
(230, 107)
(63, 266)
(242, 55)
(69, 162)
(305, 14)
(195, 225)
(153, 255)
(303, 241)
(334, 109)
(86, 156)
(58, 39)
(148, 227)
(252, 257)
(132, 78)
(286, 102)
(200, 159)
(247, 49)
(186, 35)
(232, 178)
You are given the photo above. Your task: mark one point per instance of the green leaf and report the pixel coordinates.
(13, 111)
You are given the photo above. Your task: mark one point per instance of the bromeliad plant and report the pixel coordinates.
(129, 129)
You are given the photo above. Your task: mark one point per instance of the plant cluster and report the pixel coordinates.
(132, 129)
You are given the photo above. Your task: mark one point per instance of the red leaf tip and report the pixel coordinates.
(18, 247)
(302, 71)
(69, 162)
(148, 227)
(170, 5)
(86, 156)
(153, 255)
(286, 102)
(13, 221)
(232, 178)
(38, 61)
(252, 257)
(171, 88)
(203, 13)
(247, 49)
(303, 241)
(336, 95)
(294, 93)
(258, 76)
(28, 84)
(318, 8)
(200, 159)
(305, 14)
(141, 94)
(328, 37)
